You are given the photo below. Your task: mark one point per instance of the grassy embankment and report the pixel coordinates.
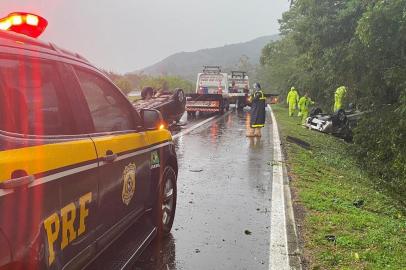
(341, 201)
(132, 99)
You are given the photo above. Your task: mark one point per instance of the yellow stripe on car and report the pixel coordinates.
(47, 157)
(119, 143)
(42, 158)
(157, 136)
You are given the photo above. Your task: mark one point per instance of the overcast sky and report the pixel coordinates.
(126, 35)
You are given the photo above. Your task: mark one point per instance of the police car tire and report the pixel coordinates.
(169, 174)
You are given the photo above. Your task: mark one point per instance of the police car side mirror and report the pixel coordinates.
(152, 119)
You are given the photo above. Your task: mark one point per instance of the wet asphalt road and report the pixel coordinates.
(224, 189)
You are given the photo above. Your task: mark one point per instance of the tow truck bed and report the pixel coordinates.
(204, 103)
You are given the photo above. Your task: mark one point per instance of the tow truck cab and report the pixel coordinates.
(78, 164)
(212, 92)
(212, 81)
(239, 88)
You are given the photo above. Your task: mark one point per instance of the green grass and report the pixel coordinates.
(132, 99)
(328, 182)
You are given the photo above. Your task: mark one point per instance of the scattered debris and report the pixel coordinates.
(197, 250)
(247, 232)
(299, 142)
(331, 238)
(358, 203)
(336, 200)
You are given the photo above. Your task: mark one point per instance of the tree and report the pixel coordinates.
(360, 44)
(124, 84)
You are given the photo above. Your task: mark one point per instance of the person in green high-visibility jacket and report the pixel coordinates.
(292, 99)
(338, 97)
(304, 104)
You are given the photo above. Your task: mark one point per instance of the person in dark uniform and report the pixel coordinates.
(258, 101)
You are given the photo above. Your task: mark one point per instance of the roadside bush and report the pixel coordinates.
(380, 147)
(362, 45)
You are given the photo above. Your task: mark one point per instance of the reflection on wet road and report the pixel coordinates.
(224, 186)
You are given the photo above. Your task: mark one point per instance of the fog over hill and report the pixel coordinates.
(188, 64)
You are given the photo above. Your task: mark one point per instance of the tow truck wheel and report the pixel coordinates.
(239, 104)
(227, 105)
(191, 114)
(166, 202)
(221, 111)
(223, 106)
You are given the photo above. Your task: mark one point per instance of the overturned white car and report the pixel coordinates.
(339, 124)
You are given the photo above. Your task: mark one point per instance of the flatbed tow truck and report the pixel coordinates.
(212, 92)
(239, 89)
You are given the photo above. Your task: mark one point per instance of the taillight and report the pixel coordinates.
(24, 23)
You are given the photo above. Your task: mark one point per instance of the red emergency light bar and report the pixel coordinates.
(24, 23)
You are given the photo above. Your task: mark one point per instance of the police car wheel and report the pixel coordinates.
(166, 203)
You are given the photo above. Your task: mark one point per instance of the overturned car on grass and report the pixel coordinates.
(339, 124)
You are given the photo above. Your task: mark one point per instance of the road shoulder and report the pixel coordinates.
(346, 221)
(284, 248)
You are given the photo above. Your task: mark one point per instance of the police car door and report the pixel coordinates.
(123, 161)
(52, 219)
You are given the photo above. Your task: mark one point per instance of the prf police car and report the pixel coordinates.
(78, 165)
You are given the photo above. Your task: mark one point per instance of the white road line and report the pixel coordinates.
(188, 130)
(278, 246)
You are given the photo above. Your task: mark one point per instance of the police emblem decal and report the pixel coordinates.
(155, 163)
(129, 183)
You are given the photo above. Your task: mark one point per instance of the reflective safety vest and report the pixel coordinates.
(259, 94)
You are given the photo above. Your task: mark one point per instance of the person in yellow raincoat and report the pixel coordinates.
(304, 104)
(338, 97)
(292, 99)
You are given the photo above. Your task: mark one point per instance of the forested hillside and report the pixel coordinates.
(360, 44)
(187, 64)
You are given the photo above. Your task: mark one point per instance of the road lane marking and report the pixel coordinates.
(278, 243)
(188, 130)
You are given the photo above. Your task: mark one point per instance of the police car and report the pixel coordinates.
(78, 164)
